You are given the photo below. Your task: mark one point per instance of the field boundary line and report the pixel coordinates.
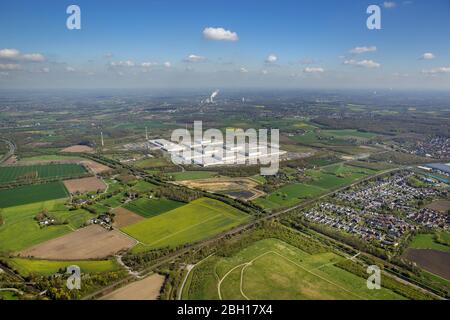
(128, 236)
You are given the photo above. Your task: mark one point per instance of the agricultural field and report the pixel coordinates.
(152, 163)
(145, 289)
(152, 207)
(319, 182)
(344, 141)
(273, 269)
(431, 252)
(35, 172)
(90, 184)
(428, 241)
(124, 217)
(434, 261)
(143, 186)
(195, 221)
(50, 157)
(349, 133)
(78, 149)
(289, 195)
(25, 267)
(92, 242)
(32, 193)
(192, 175)
(20, 230)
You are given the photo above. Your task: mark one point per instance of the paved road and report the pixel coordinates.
(12, 149)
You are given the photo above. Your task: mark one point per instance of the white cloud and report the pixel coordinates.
(45, 70)
(195, 58)
(428, 56)
(33, 57)
(271, 58)
(220, 34)
(264, 72)
(167, 64)
(314, 70)
(70, 69)
(9, 53)
(243, 70)
(389, 4)
(359, 50)
(363, 63)
(9, 66)
(14, 54)
(441, 70)
(149, 64)
(127, 63)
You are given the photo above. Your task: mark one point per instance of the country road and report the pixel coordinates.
(12, 150)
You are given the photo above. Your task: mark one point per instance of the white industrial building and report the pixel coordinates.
(213, 153)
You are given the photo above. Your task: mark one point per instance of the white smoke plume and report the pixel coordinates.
(213, 95)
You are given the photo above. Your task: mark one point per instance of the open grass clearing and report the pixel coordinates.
(198, 220)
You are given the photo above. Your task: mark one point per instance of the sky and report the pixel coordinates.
(225, 43)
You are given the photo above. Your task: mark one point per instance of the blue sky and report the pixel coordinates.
(148, 44)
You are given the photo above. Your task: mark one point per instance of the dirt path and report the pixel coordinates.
(189, 268)
(247, 264)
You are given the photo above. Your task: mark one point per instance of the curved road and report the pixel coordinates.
(12, 149)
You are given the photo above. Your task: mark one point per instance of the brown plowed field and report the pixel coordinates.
(145, 289)
(124, 217)
(95, 166)
(78, 149)
(434, 261)
(92, 242)
(90, 184)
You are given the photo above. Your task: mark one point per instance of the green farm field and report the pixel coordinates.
(32, 193)
(289, 195)
(322, 180)
(428, 241)
(272, 269)
(17, 173)
(25, 267)
(349, 133)
(20, 230)
(152, 207)
(143, 186)
(50, 157)
(152, 163)
(195, 221)
(332, 137)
